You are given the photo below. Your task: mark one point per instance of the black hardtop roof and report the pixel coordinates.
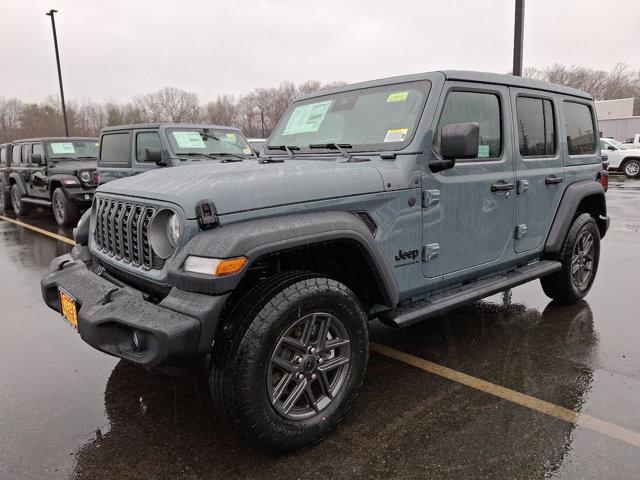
(54, 139)
(139, 126)
(461, 75)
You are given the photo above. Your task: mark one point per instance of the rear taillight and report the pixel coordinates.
(603, 178)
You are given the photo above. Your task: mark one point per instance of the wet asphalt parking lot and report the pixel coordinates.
(510, 387)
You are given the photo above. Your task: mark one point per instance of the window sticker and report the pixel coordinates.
(229, 138)
(62, 148)
(189, 139)
(307, 118)
(396, 135)
(247, 151)
(483, 151)
(397, 97)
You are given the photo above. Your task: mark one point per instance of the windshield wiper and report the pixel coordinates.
(286, 148)
(236, 158)
(334, 146)
(196, 154)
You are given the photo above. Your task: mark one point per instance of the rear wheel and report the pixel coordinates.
(20, 208)
(292, 366)
(580, 255)
(64, 211)
(632, 168)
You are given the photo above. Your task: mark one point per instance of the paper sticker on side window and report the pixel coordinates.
(396, 135)
(62, 148)
(483, 151)
(397, 97)
(189, 140)
(307, 118)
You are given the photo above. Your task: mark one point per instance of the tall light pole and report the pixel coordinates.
(55, 44)
(518, 31)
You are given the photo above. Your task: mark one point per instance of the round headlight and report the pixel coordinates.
(86, 176)
(174, 229)
(164, 233)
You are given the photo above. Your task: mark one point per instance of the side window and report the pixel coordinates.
(146, 140)
(26, 150)
(114, 149)
(581, 139)
(536, 128)
(37, 148)
(3, 156)
(483, 108)
(15, 155)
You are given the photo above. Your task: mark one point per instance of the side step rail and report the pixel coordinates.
(36, 201)
(446, 300)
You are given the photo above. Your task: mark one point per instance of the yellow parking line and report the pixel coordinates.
(39, 230)
(577, 418)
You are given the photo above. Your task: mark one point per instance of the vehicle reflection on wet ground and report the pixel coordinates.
(69, 411)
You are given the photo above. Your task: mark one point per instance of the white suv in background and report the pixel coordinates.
(620, 157)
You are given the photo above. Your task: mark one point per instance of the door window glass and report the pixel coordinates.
(15, 155)
(37, 148)
(581, 139)
(114, 149)
(146, 140)
(536, 131)
(479, 107)
(25, 153)
(3, 156)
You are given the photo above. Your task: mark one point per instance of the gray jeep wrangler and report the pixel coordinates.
(395, 199)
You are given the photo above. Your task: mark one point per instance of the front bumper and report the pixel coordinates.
(175, 331)
(80, 195)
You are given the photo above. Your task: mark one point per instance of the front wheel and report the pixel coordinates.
(294, 364)
(632, 168)
(64, 211)
(580, 256)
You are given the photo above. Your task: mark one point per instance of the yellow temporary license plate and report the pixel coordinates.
(68, 308)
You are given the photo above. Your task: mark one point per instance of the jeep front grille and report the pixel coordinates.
(122, 231)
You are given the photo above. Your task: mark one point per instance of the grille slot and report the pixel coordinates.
(122, 232)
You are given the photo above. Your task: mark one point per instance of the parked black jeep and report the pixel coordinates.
(55, 172)
(5, 197)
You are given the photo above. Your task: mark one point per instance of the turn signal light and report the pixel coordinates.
(230, 266)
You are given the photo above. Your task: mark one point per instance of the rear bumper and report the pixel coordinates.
(174, 331)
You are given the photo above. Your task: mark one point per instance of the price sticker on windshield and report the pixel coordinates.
(396, 135)
(62, 148)
(188, 139)
(397, 97)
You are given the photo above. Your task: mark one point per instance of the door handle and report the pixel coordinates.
(502, 187)
(552, 180)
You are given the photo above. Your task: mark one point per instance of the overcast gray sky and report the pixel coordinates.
(117, 49)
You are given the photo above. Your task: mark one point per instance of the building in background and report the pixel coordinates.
(616, 120)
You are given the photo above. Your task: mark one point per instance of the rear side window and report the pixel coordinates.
(536, 131)
(3, 156)
(114, 149)
(15, 155)
(483, 108)
(581, 139)
(26, 150)
(146, 140)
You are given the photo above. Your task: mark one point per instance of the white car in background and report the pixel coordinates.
(633, 142)
(620, 157)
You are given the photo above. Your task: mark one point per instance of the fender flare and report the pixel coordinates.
(18, 180)
(57, 179)
(255, 238)
(571, 198)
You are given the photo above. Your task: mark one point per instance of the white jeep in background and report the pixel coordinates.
(620, 157)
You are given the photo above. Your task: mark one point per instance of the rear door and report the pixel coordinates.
(114, 160)
(39, 174)
(539, 166)
(468, 213)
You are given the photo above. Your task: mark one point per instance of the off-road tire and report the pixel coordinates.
(64, 211)
(561, 286)
(5, 199)
(243, 351)
(20, 208)
(631, 168)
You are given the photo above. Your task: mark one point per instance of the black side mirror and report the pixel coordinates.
(37, 158)
(153, 154)
(457, 141)
(611, 147)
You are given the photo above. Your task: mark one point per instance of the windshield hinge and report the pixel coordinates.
(206, 214)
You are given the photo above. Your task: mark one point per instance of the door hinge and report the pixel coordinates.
(430, 251)
(430, 198)
(522, 186)
(521, 230)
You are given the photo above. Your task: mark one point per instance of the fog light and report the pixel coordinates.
(138, 341)
(87, 197)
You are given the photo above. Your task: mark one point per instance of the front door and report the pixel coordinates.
(539, 169)
(468, 211)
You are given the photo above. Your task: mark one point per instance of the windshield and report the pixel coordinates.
(72, 150)
(616, 144)
(208, 142)
(374, 118)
